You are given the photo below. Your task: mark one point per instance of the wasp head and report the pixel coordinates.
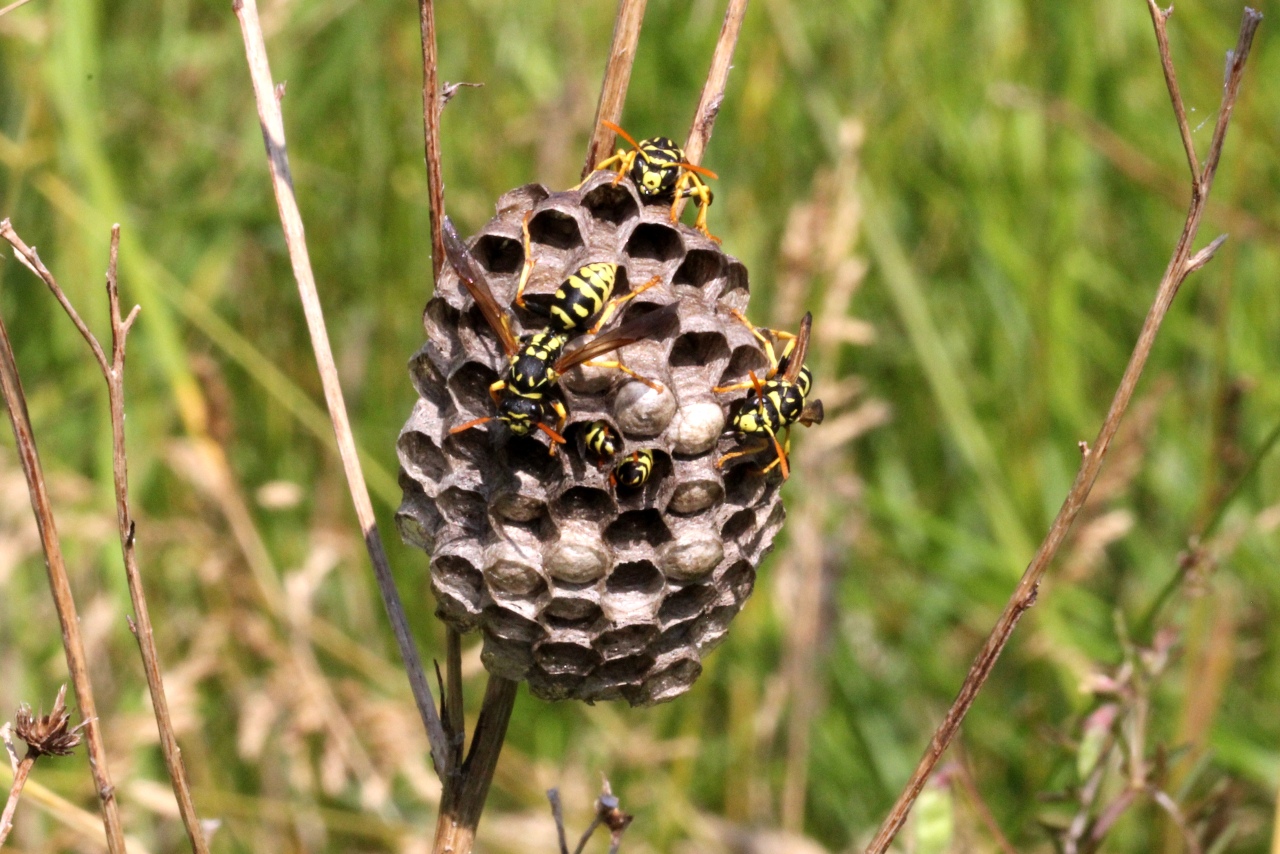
(520, 414)
(657, 168)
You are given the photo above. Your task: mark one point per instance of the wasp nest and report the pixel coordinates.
(582, 588)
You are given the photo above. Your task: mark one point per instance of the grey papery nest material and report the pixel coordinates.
(583, 590)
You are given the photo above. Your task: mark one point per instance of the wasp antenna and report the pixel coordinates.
(782, 458)
(476, 423)
(620, 132)
(701, 170)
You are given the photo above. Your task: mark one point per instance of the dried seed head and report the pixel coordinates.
(583, 589)
(48, 735)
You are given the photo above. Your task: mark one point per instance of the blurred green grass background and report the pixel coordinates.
(1008, 176)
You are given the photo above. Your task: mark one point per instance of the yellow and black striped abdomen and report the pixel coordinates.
(581, 296)
(634, 471)
(601, 440)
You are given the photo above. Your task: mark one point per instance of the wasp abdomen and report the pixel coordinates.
(582, 296)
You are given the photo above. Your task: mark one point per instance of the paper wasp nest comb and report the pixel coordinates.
(582, 588)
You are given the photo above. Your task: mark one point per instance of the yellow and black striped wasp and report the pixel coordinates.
(634, 470)
(660, 172)
(780, 401)
(602, 442)
(525, 395)
(584, 294)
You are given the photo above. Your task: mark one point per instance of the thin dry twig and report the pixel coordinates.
(617, 75)
(278, 160)
(964, 775)
(557, 813)
(432, 104)
(608, 813)
(7, 9)
(704, 118)
(20, 775)
(113, 373)
(1160, 19)
(59, 583)
(1180, 266)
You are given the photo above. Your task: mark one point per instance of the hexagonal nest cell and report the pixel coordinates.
(581, 588)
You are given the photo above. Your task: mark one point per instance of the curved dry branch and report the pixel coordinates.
(1182, 264)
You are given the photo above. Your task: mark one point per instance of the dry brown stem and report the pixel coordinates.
(465, 791)
(20, 775)
(113, 372)
(1182, 264)
(432, 104)
(617, 75)
(16, 4)
(704, 118)
(278, 161)
(456, 722)
(59, 583)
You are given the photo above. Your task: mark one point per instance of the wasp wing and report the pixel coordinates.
(468, 269)
(813, 413)
(655, 324)
(795, 361)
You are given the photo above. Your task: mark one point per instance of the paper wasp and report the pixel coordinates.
(580, 297)
(660, 172)
(535, 362)
(780, 401)
(632, 472)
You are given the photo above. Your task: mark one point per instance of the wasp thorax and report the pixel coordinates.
(612, 567)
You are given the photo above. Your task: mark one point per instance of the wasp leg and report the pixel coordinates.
(495, 391)
(656, 386)
(755, 446)
(700, 191)
(529, 263)
(557, 435)
(722, 389)
(696, 189)
(613, 304)
(764, 342)
(615, 162)
(758, 331)
(754, 383)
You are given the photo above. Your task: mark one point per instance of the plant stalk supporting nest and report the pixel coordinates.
(704, 118)
(1181, 265)
(617, 75)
